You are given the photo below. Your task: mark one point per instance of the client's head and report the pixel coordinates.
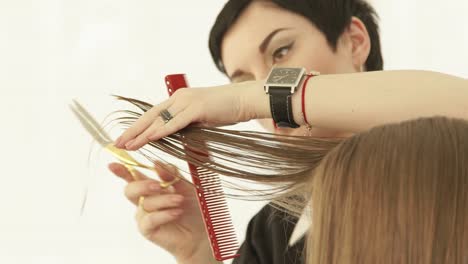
(395, 194)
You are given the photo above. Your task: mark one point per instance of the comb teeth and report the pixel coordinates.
(215, 213)
(210, 195)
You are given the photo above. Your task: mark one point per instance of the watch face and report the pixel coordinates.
(286, 76)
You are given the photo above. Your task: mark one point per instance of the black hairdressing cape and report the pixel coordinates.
(267, 237)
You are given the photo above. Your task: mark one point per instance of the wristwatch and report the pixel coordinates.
(281, 84)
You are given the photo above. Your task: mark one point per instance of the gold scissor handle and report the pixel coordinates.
(130, 163)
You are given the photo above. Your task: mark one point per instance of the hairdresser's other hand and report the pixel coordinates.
(168, 217)
(211, 106)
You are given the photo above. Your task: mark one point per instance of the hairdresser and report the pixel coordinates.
(339, 39)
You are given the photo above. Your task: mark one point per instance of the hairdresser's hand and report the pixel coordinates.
(212, 106)
(170, 217)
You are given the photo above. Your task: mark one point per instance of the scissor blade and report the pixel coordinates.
(90, 124)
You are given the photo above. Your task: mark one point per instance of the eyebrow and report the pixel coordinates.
(262, 48)
(268, 38)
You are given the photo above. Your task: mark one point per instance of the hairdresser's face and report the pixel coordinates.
(265, 35)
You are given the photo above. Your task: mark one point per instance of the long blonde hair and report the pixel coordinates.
(395, 194)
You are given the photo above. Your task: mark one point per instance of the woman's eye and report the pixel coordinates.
(280, 53)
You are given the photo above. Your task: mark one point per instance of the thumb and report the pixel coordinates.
(166, 172)
(122, 172)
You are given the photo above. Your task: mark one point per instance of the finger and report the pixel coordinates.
(141, 124)
(180, 121)
(163, 201)
(143, 138)
(149, 223)
(122, 172)
(166, 171)
(134, 190)
(217, 124)
(148, 134)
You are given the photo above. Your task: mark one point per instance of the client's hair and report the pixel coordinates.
(395, 194)
(283, 162)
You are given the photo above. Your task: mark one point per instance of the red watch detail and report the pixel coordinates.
(304, 85)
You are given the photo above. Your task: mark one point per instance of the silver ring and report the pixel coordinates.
(166, 115)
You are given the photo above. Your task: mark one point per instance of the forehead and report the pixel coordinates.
(241, 41)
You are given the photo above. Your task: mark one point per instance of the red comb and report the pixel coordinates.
(210, 195)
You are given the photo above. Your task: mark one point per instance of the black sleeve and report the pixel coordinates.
(267, 237)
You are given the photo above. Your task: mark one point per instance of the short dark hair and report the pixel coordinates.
(331, 17)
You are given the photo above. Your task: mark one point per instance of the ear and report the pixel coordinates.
(360, 43)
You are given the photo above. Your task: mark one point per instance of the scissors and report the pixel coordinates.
(100, 135)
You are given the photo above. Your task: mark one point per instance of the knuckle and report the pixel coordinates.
(184, 94)
(198, 112)
(180, 125)
(153, 110)
(128, 191)
(135, 189)
(179, 93)
(152, 221)
(151, 204)
(173, 170)
(149, 136)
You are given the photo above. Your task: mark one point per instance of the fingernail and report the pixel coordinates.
(155, 187)
(117, 142)
(176, 212)
(130, 144)
(152, 138)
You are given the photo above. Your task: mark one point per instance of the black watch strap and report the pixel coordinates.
(281, 107)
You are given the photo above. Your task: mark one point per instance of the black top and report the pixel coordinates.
(267, 237)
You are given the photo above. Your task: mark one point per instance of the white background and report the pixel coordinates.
(54, 50)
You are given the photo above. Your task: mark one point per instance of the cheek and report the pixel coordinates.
(309, 59)
(321, 59)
